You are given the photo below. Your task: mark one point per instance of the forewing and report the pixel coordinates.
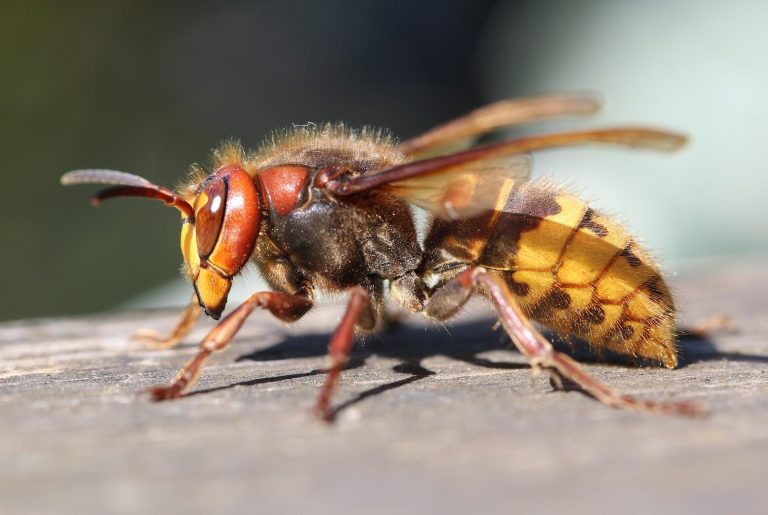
(453, 186)
(458, 185)
(461, 132)
(640, 138)
(465, 190)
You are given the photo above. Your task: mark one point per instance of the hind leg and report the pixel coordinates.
(704, 328)
(448, 299)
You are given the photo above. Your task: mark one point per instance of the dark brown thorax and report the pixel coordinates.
(330, 242)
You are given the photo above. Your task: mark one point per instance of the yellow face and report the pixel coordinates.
(211, 285)
(218, 240)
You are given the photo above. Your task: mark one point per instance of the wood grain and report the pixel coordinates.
(431, 419)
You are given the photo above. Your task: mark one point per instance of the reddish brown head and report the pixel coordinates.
(220, 225)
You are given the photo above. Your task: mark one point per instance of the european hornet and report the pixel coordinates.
(330, 208)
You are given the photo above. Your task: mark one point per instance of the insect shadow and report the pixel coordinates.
(410, 345)
(464, 342)
(695, 348)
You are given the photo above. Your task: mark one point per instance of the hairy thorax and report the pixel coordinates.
(329, 243)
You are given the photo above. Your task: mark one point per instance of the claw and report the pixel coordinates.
(164, 393)
(324, 412)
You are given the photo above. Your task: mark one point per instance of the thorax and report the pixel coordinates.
(334, 243)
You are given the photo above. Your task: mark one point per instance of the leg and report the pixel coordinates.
(537, 349)
(284, 306)
(705, 327)
(338, 349)
(185, 324)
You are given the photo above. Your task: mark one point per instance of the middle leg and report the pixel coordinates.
(340, 346)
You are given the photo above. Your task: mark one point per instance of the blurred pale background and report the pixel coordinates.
(150, 88)
(698, 67)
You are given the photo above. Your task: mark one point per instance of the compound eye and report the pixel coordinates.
(209, 216)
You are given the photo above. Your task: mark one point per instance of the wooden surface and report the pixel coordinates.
(430, 420)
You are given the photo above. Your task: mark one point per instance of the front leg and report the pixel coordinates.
(284, 306)
(448, 299)
(155, 340)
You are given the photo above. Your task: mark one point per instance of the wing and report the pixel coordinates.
(459, 133)
(466, 183)
(451, 187)
(126, 185)
(464, 190)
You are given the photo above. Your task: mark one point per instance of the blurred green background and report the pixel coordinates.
(151, 87)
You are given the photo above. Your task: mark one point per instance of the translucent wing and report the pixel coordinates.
(464, 190)
(462, 184)
(459, 133)
(640, 138)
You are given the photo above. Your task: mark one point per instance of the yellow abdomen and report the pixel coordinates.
(581, 274)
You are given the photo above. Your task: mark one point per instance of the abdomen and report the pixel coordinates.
(581, 273)
(570, 268)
